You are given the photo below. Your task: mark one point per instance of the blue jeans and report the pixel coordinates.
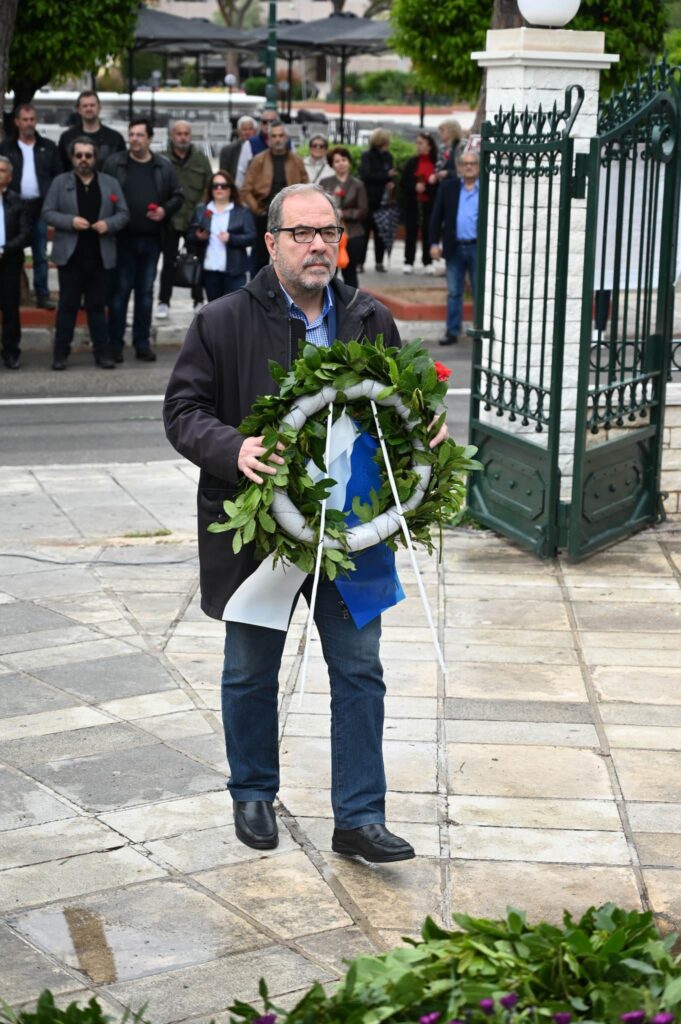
(218, 283)
(463, 260)
(39, 251)
(135, 269)
(249, 709)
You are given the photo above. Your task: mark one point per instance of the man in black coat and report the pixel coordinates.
(221, 370)
(15, 231)
(153, 195)
(105, 140)
(229, 155)
(35, 162)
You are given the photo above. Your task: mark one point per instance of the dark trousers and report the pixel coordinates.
(355, 255)
(217, 283)
(261, 257)
(417, 215)
(92, 284)
(38, 243)
(379, 245)
(136, 270)
(10, 292)
(249, 709)
(171, 244)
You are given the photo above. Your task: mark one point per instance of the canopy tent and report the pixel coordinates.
(340, 35)
(158, 32)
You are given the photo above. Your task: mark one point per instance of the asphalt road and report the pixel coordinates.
(115, 415)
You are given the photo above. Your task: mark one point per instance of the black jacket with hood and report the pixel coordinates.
(221, 370)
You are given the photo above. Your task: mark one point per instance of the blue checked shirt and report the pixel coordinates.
(317, 332)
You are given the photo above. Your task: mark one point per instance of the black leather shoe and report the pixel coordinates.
(59, 363)
(145, 354)
(105, 361)
(44, 302)
(450, 339)
(117, 355)
(255, 824)
(11, 361)
(373, 842)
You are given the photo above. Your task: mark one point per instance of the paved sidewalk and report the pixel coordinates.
(543, 772)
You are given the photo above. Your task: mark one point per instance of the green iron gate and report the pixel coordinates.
(608, 436)
(628, 294)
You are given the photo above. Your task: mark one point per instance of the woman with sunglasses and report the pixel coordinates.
(222, 229)
(315, 162)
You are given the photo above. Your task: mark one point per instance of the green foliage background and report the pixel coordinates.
(53, 39)
(440, 36)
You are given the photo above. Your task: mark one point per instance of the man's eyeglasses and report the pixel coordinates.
(220, 184)
(304, 234)
(267, 120)
(84, 156)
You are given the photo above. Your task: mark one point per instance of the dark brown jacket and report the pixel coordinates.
(354, 204)
(221, 370)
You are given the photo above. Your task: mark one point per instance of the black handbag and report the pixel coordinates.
(186, 270)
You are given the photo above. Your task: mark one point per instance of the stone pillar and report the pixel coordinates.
(529, 67)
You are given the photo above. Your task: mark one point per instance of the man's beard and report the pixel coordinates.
(315, 285)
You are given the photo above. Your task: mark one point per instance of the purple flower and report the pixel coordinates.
(430, 1018)
(562, 1017)
(633, 1017)
(509, 1001)
(662, 1018)
(487, 1006)
(269, 1018)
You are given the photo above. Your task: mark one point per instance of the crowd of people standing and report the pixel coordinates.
(116, 209)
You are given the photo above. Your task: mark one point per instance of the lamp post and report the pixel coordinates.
(155, 80)
(271, 87)
(230, 82)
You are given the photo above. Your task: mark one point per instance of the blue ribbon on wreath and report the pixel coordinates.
(374, 586)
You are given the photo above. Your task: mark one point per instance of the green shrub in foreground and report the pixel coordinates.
(610, 967)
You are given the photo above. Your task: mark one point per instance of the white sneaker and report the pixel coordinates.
(429, 269)
(407, 269)
(162, 311)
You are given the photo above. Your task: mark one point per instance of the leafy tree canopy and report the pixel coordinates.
(53, 39)
(440, 36)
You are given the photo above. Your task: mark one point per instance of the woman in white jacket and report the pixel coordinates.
(315, 163)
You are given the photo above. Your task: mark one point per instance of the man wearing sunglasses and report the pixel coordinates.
(221, 370)
(87, 209)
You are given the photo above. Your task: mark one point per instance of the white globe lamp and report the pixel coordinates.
(548, 13)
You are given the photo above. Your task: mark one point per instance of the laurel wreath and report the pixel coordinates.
(411, 380)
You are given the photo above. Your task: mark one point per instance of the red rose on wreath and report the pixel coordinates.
(442, 372)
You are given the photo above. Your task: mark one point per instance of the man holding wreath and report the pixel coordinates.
(221, 370)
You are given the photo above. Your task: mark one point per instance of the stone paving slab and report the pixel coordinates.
(542, 771)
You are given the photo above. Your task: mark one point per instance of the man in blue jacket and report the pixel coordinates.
(454, 234)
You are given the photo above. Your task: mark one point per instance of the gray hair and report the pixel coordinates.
(275, 215)
(246, 119)
(176, 124)
(6, 160)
